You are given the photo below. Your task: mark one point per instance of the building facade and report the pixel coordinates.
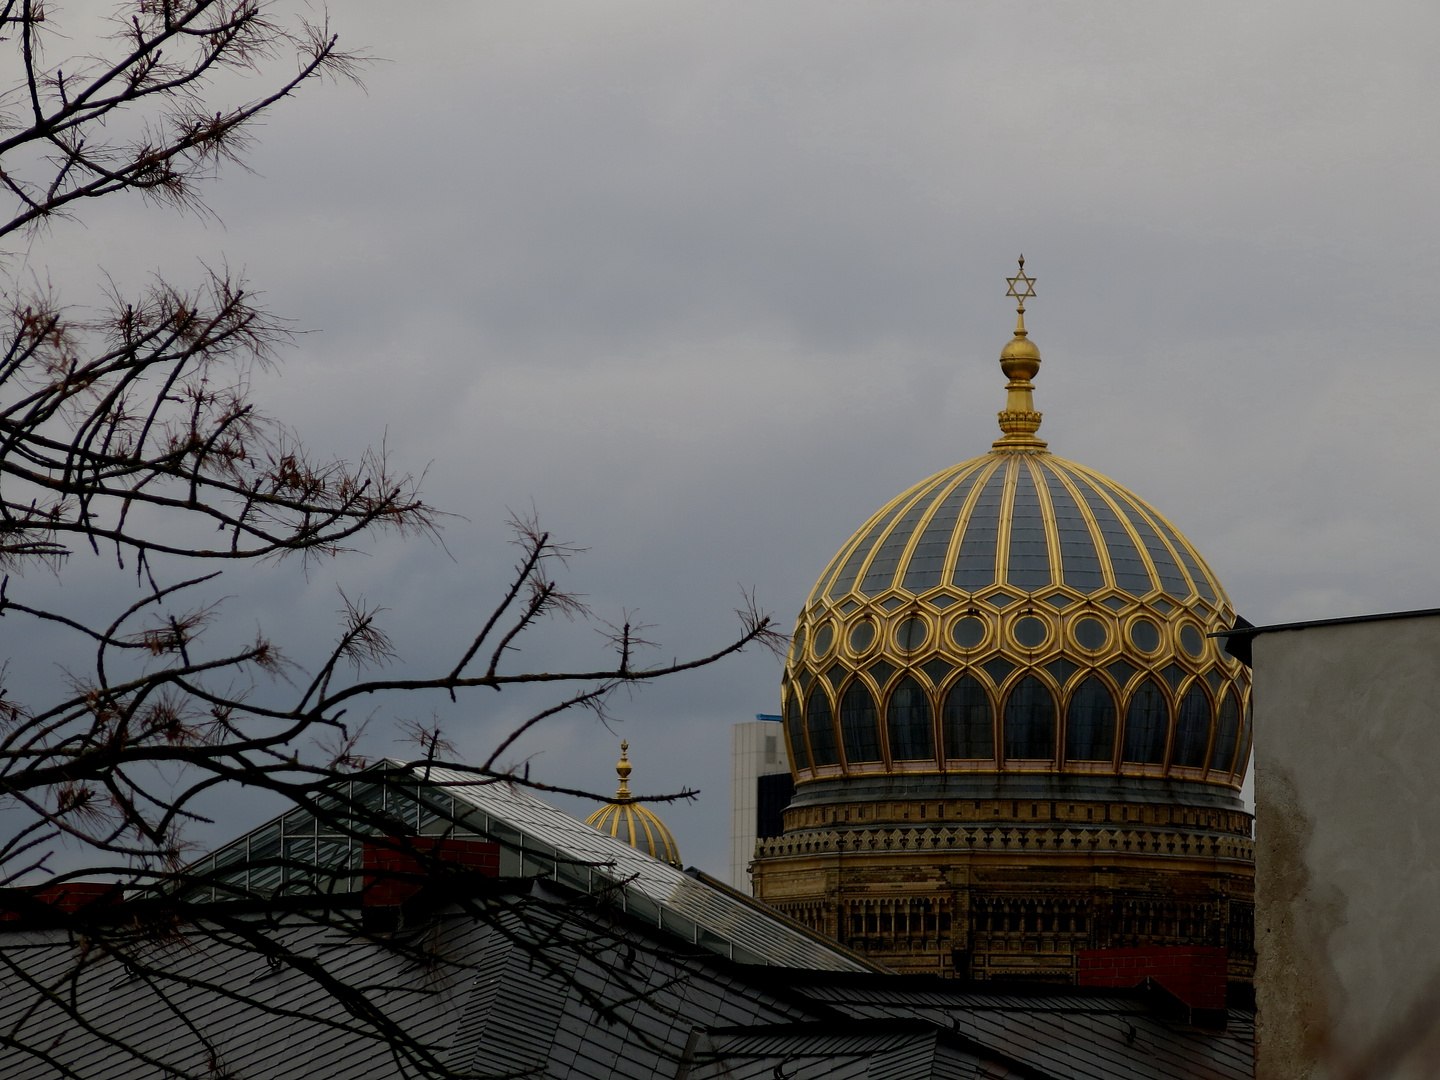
(1349, 844)
(761, 787)
(1012, 737)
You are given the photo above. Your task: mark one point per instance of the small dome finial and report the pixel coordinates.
(622, 770)
(1020, 360)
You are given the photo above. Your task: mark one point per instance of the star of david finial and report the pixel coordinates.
(1021, 287)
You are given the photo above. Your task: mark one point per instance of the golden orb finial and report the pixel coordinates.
(1020, 360)
(622, 770)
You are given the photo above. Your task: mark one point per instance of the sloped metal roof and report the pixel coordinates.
(549, 989)
(670, 975)
(1080, 1034)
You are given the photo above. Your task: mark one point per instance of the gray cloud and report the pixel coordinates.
(711, 282)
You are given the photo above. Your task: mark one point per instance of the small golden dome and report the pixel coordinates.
(634, 823)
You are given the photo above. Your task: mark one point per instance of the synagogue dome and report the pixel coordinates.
(633, 822)
(1017, 615)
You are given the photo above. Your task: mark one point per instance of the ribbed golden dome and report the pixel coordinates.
(634, 823)
(1016, 613)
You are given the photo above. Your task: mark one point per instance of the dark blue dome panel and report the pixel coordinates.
(1027, 521)
(926, 568)
(1077, 547)
(975, 565)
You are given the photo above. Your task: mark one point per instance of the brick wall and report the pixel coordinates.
(392, 877)
(69, 897)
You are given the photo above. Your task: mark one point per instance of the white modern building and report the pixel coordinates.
(760, 789)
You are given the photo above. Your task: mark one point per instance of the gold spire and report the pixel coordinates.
(622, 770)
(1020, 360)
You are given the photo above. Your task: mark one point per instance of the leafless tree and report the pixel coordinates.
(130, 432)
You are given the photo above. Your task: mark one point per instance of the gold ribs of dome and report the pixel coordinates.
(634, 823)
(1009, 667)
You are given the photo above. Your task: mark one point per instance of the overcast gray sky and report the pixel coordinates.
(710, 282)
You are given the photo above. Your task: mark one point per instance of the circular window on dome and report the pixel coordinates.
(968, 632)
(824, 638)
(862, 637)
(1145, 635)
(1030, 632)
(912, 634)
(1191, 641)
(1090, 633)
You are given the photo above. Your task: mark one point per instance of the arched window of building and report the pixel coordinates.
(859, 726)
(799, 752)
(1030, 721)
(1227, 730)
(968, 720)
(1090, 723)
(1147, 722)
(1192, 730)
(821, 728)
(909, 724)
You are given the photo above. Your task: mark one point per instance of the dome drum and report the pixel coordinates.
(990, 787)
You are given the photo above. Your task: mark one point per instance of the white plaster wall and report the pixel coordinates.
(1347, 790)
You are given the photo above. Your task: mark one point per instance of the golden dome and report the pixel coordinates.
(632, 822)
(1017, 614)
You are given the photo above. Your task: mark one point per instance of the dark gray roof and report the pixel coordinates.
(875, 1050)
(545, 983)
(1075, 1033)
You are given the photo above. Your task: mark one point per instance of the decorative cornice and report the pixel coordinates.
(1161, 843)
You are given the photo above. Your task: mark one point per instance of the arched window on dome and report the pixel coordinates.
(821, 728)
(799, 752)
(1227, 730)
(968, 721)
(1090, 723)
(1147, 721)
(908, 721)
(859, 725)
(1192, 730)
(1030, 721)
